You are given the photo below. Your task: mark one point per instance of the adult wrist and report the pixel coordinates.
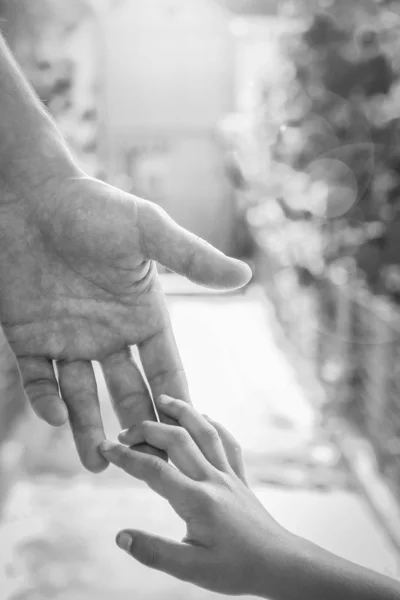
(42, 159)
(32, 149)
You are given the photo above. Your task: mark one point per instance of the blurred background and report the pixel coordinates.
(271, 129)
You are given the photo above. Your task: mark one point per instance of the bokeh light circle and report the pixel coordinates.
(333, 189)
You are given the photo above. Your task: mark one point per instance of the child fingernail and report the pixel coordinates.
(164, 400)
(124, 541)
(106, 446)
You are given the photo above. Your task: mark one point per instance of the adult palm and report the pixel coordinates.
(78, 283)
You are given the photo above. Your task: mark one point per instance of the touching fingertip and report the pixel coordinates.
(124, 541)
(97, 466)
(92, 459)
(58, 419)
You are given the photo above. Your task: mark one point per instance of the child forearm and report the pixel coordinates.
(311, 573)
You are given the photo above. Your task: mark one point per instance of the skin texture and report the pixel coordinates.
(232, 544)
(79, 283)
(227, 527)
(11, 392)
(78, 277)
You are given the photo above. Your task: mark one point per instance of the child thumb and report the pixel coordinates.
(175, 558)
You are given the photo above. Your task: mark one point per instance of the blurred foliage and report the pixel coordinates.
(328, 140)
(250, 7)
(321, 160)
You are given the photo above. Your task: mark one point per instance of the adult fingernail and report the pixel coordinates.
(124, 541)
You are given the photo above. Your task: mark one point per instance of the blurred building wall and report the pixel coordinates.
(168, 79)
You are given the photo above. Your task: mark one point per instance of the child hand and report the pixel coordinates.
(232, 544)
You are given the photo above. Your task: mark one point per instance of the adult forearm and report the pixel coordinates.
(311, 573)
(31, 148)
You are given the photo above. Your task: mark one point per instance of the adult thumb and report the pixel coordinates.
(164, 241)
(175, 558)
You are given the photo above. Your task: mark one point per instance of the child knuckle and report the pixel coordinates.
(152, 556)
(236, 449)
(146, 550)
(211, 434)
(125, 458)
(228, 481)
(182, 437)
(159, 466)
(207, 499)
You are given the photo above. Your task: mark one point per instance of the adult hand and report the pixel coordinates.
(11, 392)
(78, 283)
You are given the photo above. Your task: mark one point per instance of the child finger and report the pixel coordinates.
(232, 449)
(160, 476)
(178, 559)
(176, 441)
(201, 431)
